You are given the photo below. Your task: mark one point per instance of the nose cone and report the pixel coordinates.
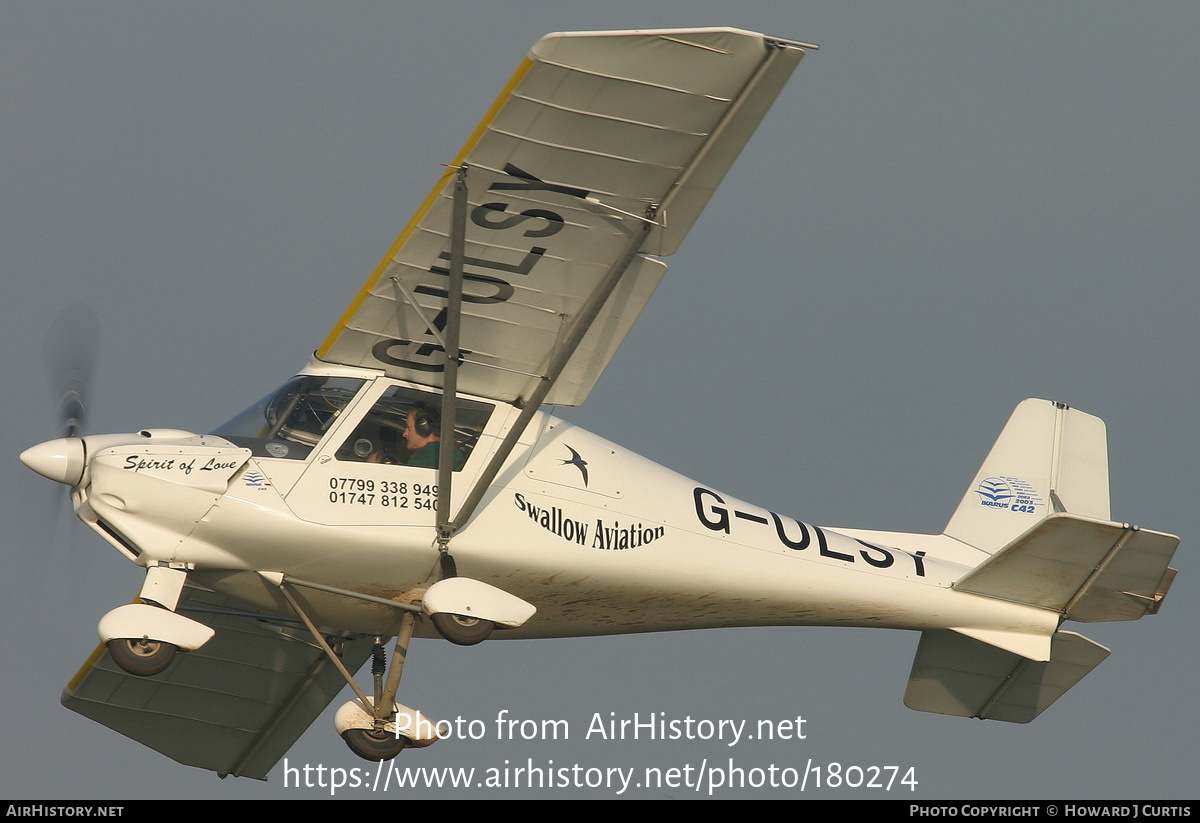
(61, 460)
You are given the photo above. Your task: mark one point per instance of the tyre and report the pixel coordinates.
(463, 631)
(374, 745)
(142, 657)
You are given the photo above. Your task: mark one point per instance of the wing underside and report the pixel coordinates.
(234, 706)
(596, 134)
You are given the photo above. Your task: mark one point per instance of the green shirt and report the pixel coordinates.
(428, 455)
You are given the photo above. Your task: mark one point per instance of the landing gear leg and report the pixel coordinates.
(375, 728)
(386, 738)
(143, 638)
(403, 638)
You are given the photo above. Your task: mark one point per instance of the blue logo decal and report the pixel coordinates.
(1010, 493)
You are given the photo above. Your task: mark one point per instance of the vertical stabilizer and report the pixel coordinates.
(1049, 458)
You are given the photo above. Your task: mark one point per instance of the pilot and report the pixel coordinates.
(423, 434)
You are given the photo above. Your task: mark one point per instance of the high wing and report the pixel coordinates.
(603, 148)
(234, 706)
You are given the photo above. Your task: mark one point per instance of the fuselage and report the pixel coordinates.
(600, 540)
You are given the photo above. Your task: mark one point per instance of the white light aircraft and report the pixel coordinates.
(408, 481)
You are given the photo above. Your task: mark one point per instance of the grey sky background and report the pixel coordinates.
(952, 206)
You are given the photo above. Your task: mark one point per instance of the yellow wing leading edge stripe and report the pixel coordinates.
(585, 135)
(95, 656)
(350, 311)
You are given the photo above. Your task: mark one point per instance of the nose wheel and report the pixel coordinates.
(144, 637)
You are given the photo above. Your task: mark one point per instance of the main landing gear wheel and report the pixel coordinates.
(373, 745)
(463, 631)
(142, 657)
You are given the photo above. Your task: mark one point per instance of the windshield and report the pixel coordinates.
(289, 422)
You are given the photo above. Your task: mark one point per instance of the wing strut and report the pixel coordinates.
(316, 633)
(559, 359)
(558, 362)
(458, 231)
(403, 295)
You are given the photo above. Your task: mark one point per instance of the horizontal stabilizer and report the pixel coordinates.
(235, 705)
(956, 675)
(1087, 570)
(1031, 646)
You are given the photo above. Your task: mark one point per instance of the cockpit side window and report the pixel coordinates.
(404, 428)
(289, 422)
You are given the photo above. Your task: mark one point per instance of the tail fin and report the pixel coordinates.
(1039, 507)
(1049, 458)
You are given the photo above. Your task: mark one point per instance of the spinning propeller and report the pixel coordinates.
(70, 352)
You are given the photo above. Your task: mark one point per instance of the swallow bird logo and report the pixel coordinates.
(578, 462)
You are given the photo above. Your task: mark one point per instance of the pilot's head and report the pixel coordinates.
(422, 427)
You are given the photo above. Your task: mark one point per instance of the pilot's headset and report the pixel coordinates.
(426, 421)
